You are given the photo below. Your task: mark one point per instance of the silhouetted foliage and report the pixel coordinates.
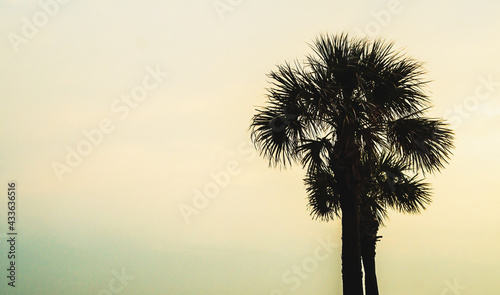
(348, 106)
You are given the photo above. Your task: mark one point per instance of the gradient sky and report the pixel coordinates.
(118, 210)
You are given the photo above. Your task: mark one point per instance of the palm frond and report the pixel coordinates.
(392, 81)
(423, 142)
(340, 55)
(315, 153)
(408, 195)
(277, 128)
(323, 197)
(275, 136)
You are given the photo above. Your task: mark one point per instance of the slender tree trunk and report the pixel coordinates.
(352, 275)
(346, 167)
(369, 228)
(351, 249)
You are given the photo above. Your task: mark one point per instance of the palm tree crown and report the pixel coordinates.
(349, 86)
(388, 183)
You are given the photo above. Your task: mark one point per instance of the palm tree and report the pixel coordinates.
(386, 184)
(352, 98)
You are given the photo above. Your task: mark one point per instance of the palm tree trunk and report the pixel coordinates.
(352, 275)
(369, 228)
(351, 252)
(346, 167)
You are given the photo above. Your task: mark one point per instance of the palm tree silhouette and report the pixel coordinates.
(387, 183)
(351, 100)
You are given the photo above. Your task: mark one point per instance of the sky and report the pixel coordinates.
(124, 125)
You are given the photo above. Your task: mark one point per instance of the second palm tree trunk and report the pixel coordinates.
(369, 228)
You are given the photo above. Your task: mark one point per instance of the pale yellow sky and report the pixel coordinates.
(176, 84)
